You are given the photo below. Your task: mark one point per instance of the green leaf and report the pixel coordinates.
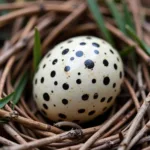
(5, 100)
(19, 89)
(37, 49)
(93, 6)
(141, 43)
(117, 15)
(127, 16)
(126, 51)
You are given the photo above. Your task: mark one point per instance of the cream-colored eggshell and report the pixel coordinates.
(78, 79)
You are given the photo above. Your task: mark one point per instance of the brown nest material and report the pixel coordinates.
(124, 126)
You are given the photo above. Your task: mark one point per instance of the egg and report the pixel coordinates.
(78, 79)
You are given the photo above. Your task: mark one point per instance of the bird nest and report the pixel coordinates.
(125, 125)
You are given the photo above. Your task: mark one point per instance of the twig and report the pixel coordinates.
(121, 122)
(95, 136)
(13, 133)
(30, 123)
(67, 123)
(135, 123)
(76, 13)
(6, 141)
(22, 42)
(5, 73)
(71, 134)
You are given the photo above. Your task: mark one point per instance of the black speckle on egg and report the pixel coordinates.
(63, 116)
(48, 55)
(96, 52)
(65, 51)
(81, 110)
(55, 83)
(72, 58)
(78, 81)
(88, 37)
(46, 97)
(44, 65)
(95, 45)
(111, 51)
(102, 99)
(79, 73)
(115, 66)
(54, 61)
(89, 64)
(35, 81)
(109, 99)
(91, 112)
(82, 43)
(95, 96)
(35, 96)
(65, 101)
(85, 97)
(65, 86)
(45, 106)
(105, 62)
(54, 105)
(67, 68)
(70, 41)
(118, 59)
(42, 79)
(106, 80)
(93, 81)
(114, 85)
(79, 53)
(53, 73)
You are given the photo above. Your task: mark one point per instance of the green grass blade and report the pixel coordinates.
(127, 16)
(37, 50)
(126, 51)
(19, 89)
(141, 43)
(6, 99)
(93, 6)
(117, 15)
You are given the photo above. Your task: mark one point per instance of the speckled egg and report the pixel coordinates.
(78, 79)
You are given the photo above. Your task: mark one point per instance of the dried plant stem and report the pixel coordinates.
(135, 123)
(67, 123)
(140, 82)
(34, 9)
(76, 13)
(6, 141)
(120, 123)
(30, 123)
(22, 42)
(138, 136)
(46, 141)
(132, 93)
(146, 75)
(120, 35)
(5, 73)
(95, 136)
(13, 133)
(23, 4)
(29, 26)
